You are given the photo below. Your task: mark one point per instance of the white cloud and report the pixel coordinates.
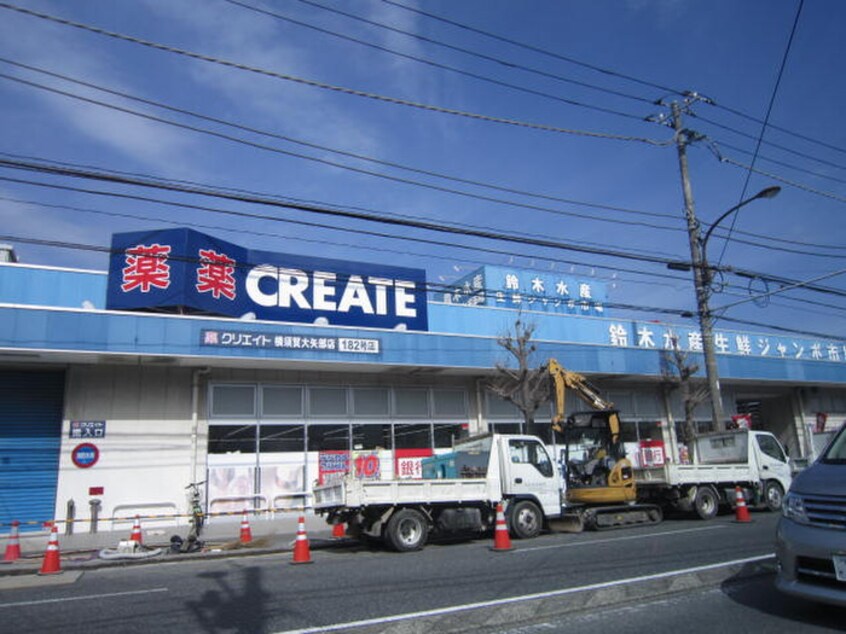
(65, 51)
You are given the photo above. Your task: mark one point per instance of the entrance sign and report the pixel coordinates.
(188, 271)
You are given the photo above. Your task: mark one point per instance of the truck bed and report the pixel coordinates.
(355, 493)
(680, 474)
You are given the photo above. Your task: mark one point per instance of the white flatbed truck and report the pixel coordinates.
(752, 460)
(513, 469)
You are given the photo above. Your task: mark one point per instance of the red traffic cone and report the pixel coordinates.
(246, 533)
(136, 535)
(13, 548)
(338, 531)
(302, 552)
(502, 540)
(52, 564)
(741, 512)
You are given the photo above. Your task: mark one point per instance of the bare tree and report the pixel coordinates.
(678, 373)
(526, 387)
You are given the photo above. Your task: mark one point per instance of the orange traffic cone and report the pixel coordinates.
(502, 540)
(52, 564)
(136, 535)
(246, 533)
(741, 513)
(302, 552)
(338, 531)
(13, 548)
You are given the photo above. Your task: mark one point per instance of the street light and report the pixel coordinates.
(702, 276)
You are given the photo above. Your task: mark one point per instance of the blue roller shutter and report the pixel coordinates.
(31, 405)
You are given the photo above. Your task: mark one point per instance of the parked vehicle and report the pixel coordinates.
(722, 461)
(753, 460)
(811, 535)
(514, 469)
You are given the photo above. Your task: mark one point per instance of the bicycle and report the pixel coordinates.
(192, 542)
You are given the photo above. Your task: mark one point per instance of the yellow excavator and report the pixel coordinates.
(601, 491)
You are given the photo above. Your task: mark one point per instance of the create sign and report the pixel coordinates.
(185, 269)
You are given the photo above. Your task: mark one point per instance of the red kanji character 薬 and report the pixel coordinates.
(215, 274)
(146, 266)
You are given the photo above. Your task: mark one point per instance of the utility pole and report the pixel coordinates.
(701, 272)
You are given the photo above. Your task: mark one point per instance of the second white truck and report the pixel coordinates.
(753, 460)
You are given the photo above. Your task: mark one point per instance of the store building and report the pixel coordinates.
(196, 359)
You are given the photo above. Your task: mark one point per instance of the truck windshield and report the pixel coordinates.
(836, 453)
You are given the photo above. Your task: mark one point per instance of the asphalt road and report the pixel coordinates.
(743, 606)
(355, 583)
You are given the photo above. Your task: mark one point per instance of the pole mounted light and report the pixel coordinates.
(703, 276)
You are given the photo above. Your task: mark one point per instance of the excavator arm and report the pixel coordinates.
(562, 380)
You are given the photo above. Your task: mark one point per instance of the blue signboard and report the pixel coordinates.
(185, 269)
(512, 287)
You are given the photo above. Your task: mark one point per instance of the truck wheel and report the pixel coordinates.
(706, 504)
(526, 520)
(407, 530)
(773, 496)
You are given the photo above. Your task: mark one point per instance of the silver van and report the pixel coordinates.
(811, 535)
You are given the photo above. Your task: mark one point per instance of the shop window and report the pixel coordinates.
(371, 402)
(279, 401)
(281, 438)
(371, 436)
(447, 434)
(412, 436)
(328, 402)
(506, 428)
(650, 430)
(224, 439)
(628, 431)
(233, 401)
(500, 408)
(328, 437)
(411, 403)
(450, 404)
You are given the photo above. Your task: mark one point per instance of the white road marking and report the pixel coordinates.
(527, 597)
(83, 598)
(615, 539)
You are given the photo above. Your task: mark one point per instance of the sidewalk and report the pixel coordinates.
(221, 537)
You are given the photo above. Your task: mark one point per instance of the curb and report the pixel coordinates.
(82, 560)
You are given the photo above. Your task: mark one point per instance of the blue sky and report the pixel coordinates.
(729, 51)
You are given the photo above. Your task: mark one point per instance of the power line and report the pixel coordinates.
(781, 179)
(253, 130)
(536, 49)
(429, 287)
(339, 89)
(432, 63)
(349, 214)
(608, 72)
(764, 126)
(352, 245)
(284, 204)
(766, 142)
(755, 244)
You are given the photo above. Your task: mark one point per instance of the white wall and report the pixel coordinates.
(146, 454)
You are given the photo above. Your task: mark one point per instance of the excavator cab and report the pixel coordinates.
(595, 464)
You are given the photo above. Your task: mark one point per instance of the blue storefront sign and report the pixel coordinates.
(512, 287)
(185, 269)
